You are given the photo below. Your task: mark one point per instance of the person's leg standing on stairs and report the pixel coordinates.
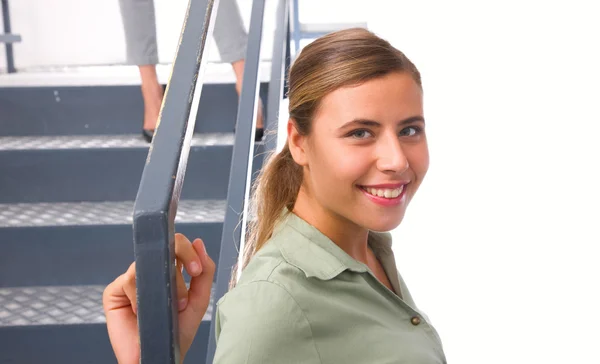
(232, 40)
(139, 24)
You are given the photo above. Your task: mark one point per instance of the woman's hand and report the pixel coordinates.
(120, 305)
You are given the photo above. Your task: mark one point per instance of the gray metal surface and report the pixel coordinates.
(10, 38)
(51, 305)
(10, 62)
(296, 32)
(60, 305)
(160, 188)
(79, 254)
(241, 164)
(54, 142)
(103, 174)
(278, 73)
(113, 109)
(100, 213)
(68, 344)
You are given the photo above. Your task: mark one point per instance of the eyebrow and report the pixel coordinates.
(367, 122)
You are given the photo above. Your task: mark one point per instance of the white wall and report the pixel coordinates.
(76, 32)
(83, 32)
(501, 245)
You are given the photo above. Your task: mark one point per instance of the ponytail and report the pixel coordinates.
(275, 188)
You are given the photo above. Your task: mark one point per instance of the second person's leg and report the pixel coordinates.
(139, 24)
(232, 40)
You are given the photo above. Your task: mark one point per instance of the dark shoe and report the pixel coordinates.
(258, 134)
(148, 135)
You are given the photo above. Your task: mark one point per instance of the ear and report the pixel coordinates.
(296, 143)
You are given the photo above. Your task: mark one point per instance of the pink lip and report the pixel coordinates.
(386, 201)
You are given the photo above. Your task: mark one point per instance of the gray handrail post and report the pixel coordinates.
(279, 67)
(160, 188)
(296, 31)
(241, 166)
(10, 61)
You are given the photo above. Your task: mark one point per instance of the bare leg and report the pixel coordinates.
(152, 92)
(238, 69)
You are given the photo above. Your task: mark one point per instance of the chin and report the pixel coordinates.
(383, 222)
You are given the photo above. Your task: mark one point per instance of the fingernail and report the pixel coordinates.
(204, 248)
(182, 304)
(195, 268)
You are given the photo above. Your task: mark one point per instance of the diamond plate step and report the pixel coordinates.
(101, 141)
(64, 325)
(101, 213)
(51, 305)
(61, 305)
(86, 243)
(98, 168)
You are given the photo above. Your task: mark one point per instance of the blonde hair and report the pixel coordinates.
(344, 58)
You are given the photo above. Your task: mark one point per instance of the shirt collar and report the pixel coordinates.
(305, 247)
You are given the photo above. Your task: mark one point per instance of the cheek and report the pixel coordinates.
(336, 169)
(418, 159)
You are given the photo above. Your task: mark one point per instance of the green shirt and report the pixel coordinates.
(302, 299)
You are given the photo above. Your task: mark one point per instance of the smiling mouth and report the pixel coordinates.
(387, 193)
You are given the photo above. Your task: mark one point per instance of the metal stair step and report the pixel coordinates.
(55, 305)
(105, 168)
(86, 243)
(101, 213)
(53, 319)
(108, 110)
(58, 142)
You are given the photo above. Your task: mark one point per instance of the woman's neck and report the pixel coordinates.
(351, 238)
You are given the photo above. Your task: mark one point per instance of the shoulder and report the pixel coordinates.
(267, 294)
(261, 322)
(268, 276)
(274, 263)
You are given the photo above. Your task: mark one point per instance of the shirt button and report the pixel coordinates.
(415, 320)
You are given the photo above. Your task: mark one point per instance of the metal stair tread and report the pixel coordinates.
(56, 305)
(101, 213)
(10, 143)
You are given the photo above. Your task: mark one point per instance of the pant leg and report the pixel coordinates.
(139, 23)
(229, 32)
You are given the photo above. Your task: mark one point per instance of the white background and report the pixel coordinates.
(500, 247)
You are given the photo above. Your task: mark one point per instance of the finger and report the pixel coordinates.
(187, 255)
(129, 288)
(200, 286)
(182, 292)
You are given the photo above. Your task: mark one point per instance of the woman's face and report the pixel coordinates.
(367, 152)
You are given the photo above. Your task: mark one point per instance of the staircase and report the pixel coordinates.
(71, 158)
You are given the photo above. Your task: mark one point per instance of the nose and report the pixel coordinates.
(390, 155)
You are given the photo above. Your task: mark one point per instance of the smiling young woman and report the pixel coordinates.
(319, 282)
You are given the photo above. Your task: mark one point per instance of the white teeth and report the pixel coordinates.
(385, 192)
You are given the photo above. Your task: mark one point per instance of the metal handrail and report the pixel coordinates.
(280, 63)
(243, 150)
(241, 165)
(160, 189)
(8, 38)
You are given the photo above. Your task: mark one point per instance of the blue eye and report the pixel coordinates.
(360, 134)
(410, 131)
